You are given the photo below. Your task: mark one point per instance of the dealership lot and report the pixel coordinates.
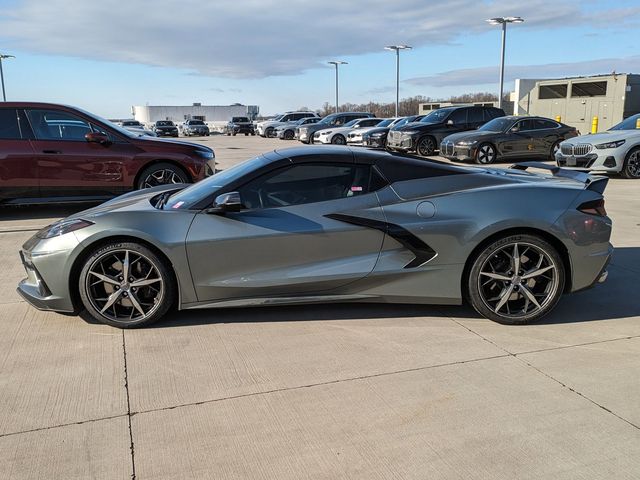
(332, 391)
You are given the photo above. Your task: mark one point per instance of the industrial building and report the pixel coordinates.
(599, 101)
(214, 115)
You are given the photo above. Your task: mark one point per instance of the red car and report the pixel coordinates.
(57, 153)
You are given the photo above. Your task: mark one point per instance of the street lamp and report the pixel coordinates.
(503, 21)
(2, 57)
(336, 63)
(397, 49)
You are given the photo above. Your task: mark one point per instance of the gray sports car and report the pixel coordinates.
(332, 224)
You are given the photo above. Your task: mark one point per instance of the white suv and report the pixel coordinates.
(267, 128)
(615, 151)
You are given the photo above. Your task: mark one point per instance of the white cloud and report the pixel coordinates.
(259, 38)
(489, 75)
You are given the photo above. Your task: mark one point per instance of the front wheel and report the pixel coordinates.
(288, 135)
(485, 154)
(515, 280)
(631, 167)
(426, 146)
(161, 174)
(125, 285)
(339, 140)
(268, 132)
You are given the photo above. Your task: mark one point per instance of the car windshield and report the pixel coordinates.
(131, 123)
(240, 119)
(327, 120)
(497, 125)
(164, 123)
(351, 123)
(628, 123)
(437, 116)
(196, 122)
(196, 192)
(385, 123)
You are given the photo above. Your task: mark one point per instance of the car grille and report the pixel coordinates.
(447, 148)
(578, 150)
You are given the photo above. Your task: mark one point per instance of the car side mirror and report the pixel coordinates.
(97, 137)
(227, 203)
(450, 123)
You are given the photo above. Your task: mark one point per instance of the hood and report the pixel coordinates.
(161, 141)
(604, 137)
(417, 126)
(362, 130)
(377, 130)
(469, 135)
(127, 200)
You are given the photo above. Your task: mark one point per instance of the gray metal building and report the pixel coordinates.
(576, 100)
(211, 114)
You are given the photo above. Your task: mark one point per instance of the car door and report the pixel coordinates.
(283, 243)
(18, 165)
(522, 138)
(545, 133)
(70, 166)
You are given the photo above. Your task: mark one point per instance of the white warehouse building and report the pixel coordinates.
(214, 115)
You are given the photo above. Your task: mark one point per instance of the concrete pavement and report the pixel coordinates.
(332, 391)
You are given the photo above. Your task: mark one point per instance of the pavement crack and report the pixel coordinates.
(61, 425)
(319, 384)
(126, 386)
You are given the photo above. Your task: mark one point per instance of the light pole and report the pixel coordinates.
(397, 49)
(503, 21)
(2, 57)
(336, 63)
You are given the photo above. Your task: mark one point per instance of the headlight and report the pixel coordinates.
(62, 227)
(466, 143)
(377, 135)
(325, 132)
(410, 132)
(205, 154)
(602, 146)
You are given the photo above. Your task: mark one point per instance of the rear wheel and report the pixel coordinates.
(554, 149)
(426, 146)
(161, 174)
(125, 284)
(288, 135)
(631, 167)
(516, 279)
(485, 154)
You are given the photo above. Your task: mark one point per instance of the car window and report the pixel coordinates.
(57, 125)
(524, 125)
(493, 113)
(369, 122)
(541, 124)
(476, 115)
(308, 183)
(459, 117)
(9, 128)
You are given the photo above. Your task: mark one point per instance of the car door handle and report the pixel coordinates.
(52, 151)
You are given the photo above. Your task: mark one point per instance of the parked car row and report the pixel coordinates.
(57, 153)
(267, 128)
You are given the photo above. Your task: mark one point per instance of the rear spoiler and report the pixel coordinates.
(595, 183)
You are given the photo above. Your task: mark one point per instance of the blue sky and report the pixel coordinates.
(110, 55)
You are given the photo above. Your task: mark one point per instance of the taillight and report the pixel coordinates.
(594, 207)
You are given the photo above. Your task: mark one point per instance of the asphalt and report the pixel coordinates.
(325, 392)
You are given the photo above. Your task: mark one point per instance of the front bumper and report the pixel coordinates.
(455, 152)
(375, 142)
(400, 141)
(166, 133)
(608, 160)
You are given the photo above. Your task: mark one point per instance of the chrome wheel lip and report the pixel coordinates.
(125, 286)
(164, 176)
(518, 283)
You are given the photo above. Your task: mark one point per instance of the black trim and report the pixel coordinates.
(421, 250)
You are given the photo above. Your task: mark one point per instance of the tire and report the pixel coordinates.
(486, 154)
(268, 132)
(234, 134)
(499, 292)
(228, 134)
(339, 140)
(161, 174)
(288, 135)
(128, 304)
(631, 166)
(246, 134)
(554, 149)
(426, 146)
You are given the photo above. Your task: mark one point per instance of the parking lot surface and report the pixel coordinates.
(325, 391)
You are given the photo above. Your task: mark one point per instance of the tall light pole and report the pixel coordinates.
(503, 21)
(397, 49)
(336, 63)
(2, 57)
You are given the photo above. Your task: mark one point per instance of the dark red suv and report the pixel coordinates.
(59, 153)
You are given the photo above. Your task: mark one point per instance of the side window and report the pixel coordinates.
(525, 125)
(286, 118)
(459, 117)
(9, 128)
(57, 125)
(369, 123)
(307, 183)
(341, 120)
(476, 115)
(541, 124)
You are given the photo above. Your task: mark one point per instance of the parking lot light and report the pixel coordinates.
(2, 57)
(397, 49)
(336, 63)
(503, 21)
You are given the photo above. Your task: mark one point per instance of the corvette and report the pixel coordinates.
(332, 224)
